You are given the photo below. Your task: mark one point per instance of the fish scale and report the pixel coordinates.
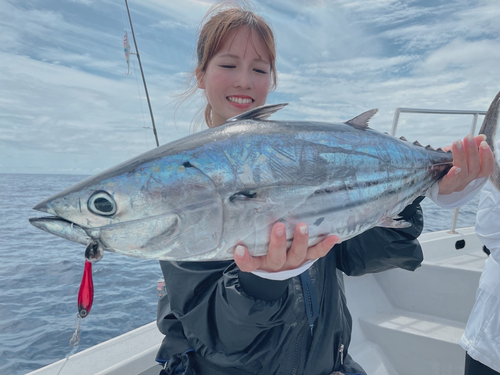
(194, 199)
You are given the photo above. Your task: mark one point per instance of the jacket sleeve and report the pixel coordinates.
(380, 249)
(457, 198)
(216, 312)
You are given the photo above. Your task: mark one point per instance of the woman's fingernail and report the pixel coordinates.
(304, 229)
(458, 144)
(240, 251)
(457, 171)
(280, 231)
(484, 145)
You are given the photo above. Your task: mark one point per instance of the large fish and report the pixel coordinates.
(196, 198)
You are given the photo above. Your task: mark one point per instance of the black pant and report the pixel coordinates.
(473, 367)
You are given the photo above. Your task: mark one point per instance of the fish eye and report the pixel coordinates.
(101, 203)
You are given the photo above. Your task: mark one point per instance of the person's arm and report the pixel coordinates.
(220, 307)
(488, 219)
(380, 249)
(488, 215)
(473, 162)
(458, 198)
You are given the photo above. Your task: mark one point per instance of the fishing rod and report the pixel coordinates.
(142, 73)
(92, 252)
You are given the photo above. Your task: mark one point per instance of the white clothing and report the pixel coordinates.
(283, 275)
(458, 198)
(481, 338)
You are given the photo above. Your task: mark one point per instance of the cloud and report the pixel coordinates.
(65, 111)
(67, 105)
(462, 54)
(447, 22)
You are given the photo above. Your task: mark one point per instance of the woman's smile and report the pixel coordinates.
(240, 101)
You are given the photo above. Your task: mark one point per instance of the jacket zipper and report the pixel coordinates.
(295, 366)
(341, 351)
(310, 299)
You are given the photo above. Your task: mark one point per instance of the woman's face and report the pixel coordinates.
(238, 76)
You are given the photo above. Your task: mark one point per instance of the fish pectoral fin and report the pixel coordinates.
(392, 223)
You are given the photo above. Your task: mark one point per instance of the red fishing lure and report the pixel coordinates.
(86, 292)
(93, 253)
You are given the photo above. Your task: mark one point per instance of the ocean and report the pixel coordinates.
(40, 275)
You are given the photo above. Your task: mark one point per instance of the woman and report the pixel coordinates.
(481, 338)
(283, 313)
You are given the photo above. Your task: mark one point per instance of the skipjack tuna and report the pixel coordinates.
(196, 198)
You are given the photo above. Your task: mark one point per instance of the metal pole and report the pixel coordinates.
(474, 123)
(143, 79)
(395, 122)
(454, 221)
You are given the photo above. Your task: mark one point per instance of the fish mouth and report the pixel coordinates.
(128, 238)
(62, 228)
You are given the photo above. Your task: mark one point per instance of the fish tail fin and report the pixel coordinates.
(489, 129)
(495, 177)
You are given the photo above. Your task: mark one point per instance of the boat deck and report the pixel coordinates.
(404, 323)
(419, 317)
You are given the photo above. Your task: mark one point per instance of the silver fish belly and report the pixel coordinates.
(196, 198)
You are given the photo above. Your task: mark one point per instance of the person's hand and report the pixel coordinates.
(472, 159)
(278, 258)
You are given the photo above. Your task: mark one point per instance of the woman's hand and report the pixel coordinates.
(278, 258)
(472, 159)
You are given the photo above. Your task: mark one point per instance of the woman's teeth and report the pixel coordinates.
(239, 100)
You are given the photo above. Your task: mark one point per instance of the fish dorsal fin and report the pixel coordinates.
(361, 121)
(259, 113)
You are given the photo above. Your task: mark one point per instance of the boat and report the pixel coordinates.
(404, 323)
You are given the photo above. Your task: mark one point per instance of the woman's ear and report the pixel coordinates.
(200, 78)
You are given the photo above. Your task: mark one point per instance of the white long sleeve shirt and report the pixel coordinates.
(481, 338)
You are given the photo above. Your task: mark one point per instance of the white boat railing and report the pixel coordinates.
(475, 115)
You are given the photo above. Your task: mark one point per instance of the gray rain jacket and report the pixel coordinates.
(219, 320)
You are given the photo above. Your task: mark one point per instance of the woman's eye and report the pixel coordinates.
(227, 66)
(260, 71)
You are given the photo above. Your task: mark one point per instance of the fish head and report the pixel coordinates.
(159, 209)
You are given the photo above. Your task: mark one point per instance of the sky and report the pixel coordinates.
(67, 105)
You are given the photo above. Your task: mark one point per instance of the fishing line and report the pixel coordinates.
(74, 342)
(140, 101)
(123, 15)
(136, 80)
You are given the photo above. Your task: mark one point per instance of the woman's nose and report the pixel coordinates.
(244, 79)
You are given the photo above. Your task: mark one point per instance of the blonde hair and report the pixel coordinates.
(223, 18)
